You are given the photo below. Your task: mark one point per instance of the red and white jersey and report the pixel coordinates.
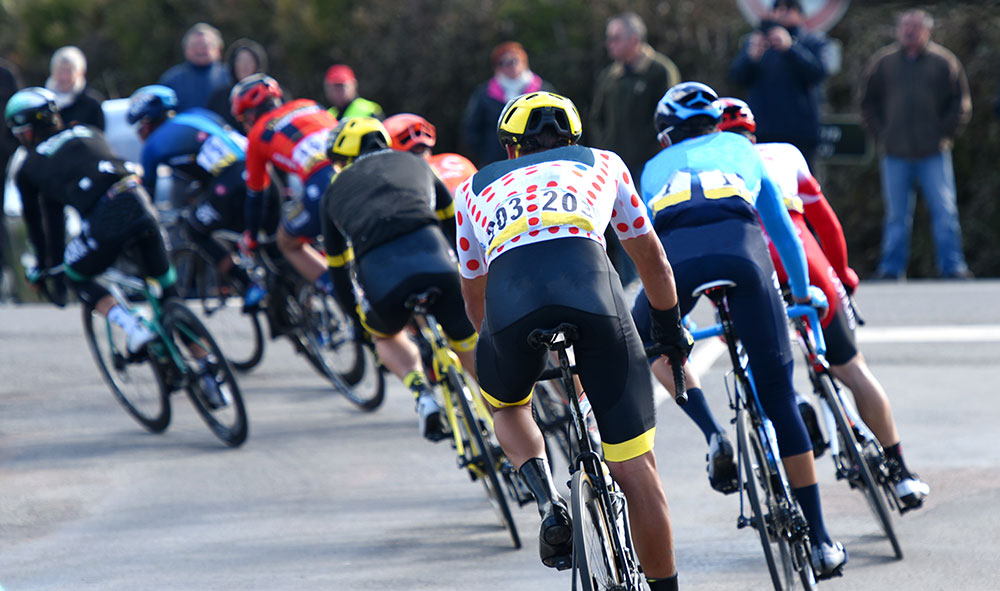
(573, 191)
(452, 169)
(293, 138)
(787, 166)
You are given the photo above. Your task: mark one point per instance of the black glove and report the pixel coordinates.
(668, 332)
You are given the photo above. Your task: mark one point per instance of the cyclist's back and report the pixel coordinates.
(196, 144)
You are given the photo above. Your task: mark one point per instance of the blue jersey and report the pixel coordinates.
(197, 144)
(720, 176)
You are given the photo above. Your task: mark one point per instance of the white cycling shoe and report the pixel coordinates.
(912, 491)
(828, 560)
(138, 337)
(431, 417)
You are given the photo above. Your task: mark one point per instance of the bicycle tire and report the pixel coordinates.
(482, 454)
(754, 482)
(593, 550)
(857, 461)
(222, 310)
(229, 422)
(146, 398)
(553, 418)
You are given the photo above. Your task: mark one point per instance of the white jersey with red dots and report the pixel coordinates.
(573, 191)
(787, 166)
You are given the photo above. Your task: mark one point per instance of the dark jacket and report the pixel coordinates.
(784, 88)
(914, 107)
(219, 99)
(86, 109)
(9, 84)
(625, 98)
(479, 124)
(195, 84)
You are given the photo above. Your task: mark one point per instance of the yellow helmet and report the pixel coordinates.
(356, 136)
(529, 114)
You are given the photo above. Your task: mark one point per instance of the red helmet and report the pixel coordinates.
(258, 90)
(736, 115)
(409, 131)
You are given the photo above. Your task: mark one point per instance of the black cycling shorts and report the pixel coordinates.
(568, 280)
(111, 226)
(839, 336)
(415, 262)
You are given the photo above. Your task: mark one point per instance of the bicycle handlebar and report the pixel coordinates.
(677, 366)
(800, 310)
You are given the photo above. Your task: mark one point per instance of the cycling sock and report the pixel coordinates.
(895, 452)
(697, 410)
(537, 475)
(667, 584)
(808, 499)
(123, 319)
(416, 381)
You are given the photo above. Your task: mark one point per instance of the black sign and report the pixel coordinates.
(843, 140)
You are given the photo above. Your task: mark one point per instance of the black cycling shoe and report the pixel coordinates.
(721, 467)
(811, 421)
(555, 538)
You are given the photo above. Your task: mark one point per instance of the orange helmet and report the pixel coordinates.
(736, 115)
(409, 131)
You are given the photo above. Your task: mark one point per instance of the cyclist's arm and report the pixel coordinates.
(474, 293)
(32, 211)
(779, 227)
(151, 160)
(257, 182)
(831, 238)
(339, 260)
(471, 258)
(444, 209)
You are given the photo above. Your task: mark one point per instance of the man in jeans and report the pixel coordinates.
(914, 99)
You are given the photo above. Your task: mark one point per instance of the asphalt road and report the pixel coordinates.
(326, 497)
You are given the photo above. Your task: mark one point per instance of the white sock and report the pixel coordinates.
(122, 318)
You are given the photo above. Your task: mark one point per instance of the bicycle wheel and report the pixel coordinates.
(238, 333)
(227, 418)
(593, 550)
(136, 382)
(480, 453)
(855, 464)
(551, 411)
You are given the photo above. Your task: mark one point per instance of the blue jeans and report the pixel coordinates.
(937, 183)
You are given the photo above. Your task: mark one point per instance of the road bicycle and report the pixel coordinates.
(857, 455)
(469, 420)
(603, 554)
(773, 511)
(183, 355)
(294, 308)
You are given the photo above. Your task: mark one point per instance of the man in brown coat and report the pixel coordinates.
(914, 100)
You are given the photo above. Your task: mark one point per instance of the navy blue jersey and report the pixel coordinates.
(197, 144)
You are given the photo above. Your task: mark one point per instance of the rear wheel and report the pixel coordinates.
(593, 550)
(136, 382)
(480, 453)
(209, 382)
(754, 476)
(552, 414)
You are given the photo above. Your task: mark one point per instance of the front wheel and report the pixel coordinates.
(855, 462)
(481, 454)
(209, 380)
(136, 382)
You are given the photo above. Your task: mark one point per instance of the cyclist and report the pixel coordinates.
(399, 217)
(827, 261)
(531, 247)
(201, 149)
(292, 137)
(75, 166)
(706, 190)
(413, 133)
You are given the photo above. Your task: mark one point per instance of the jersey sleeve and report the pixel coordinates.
(471, 256)
(830, 233)
(628, 218)
(256, 163)
(778, 224)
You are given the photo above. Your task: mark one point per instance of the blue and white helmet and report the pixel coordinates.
(684, 101)
(151, 102)
(29, 109)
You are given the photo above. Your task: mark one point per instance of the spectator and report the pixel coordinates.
(10, 82)
(511, 77)
(782, 67)
(914, 100)
(341, 88)
(627, 91)
(625, 98)
(77, 102)
(243, 58)
(202, 72)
